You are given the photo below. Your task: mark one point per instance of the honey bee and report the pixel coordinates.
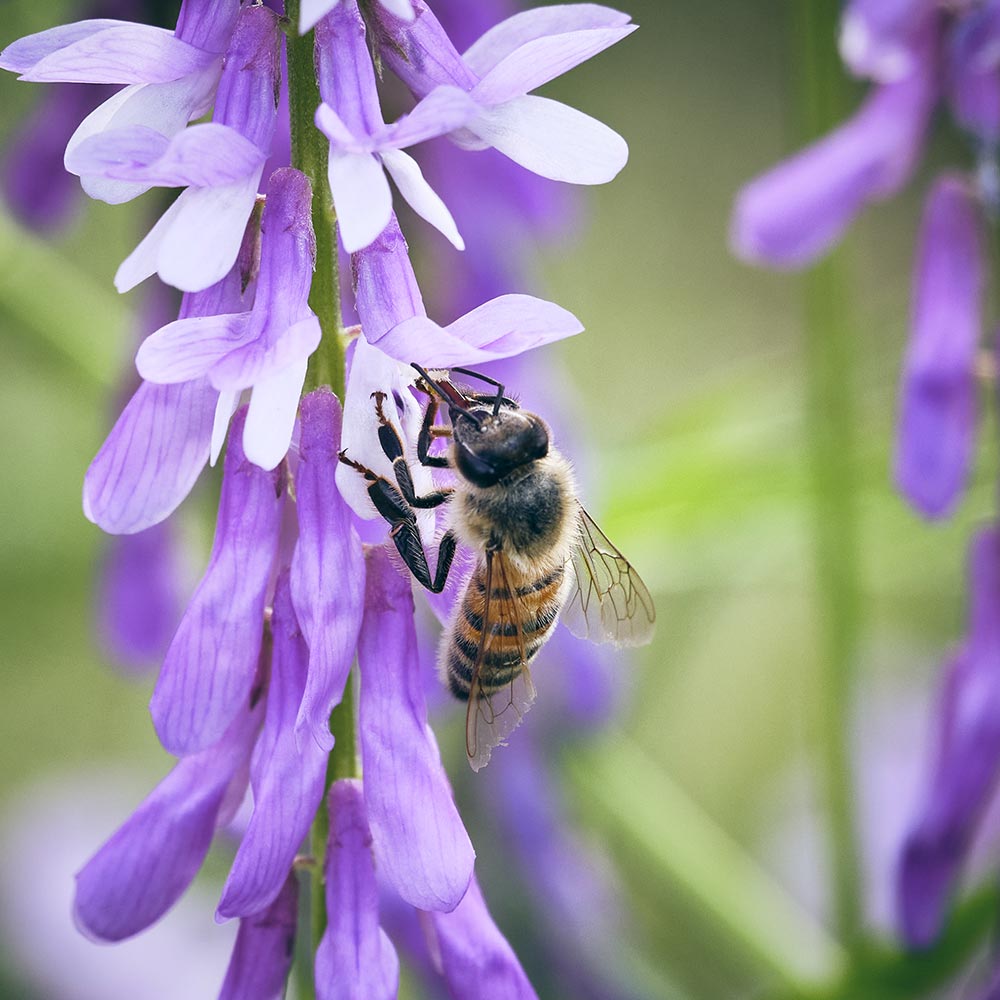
(540, 556)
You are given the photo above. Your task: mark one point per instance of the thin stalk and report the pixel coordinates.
(831, 426)
(326, 367)
(309, 154)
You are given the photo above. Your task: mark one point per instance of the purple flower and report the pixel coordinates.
(938, 411)
(361, 144)
(966, 761)
(265, 348)
(209, 670)
(355, 957)
(220, 163)
(880, 39)
(501, 68)
(311, 11)
(972, 63)
(263, 951)
(794, 213)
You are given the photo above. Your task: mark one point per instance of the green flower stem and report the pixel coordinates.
(326, 367)
(309, 154)
(692, 852)
(831, 361)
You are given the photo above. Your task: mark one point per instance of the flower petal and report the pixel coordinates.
(553, 140)
(507, 36)
(880, 40)
(209, 669)
(355, 957)
(141, 262)
(151, 458)
(423, 850)
(146, 865)
(202, 242)
(500, 328)
(420, 196)
(328, 568)
(792, 214)
(287, 780)
(20, 56)
(264, 948)
(224, 410)
(312, 11)
(937, 427)
(203, 156)
(361, 197)
(122, 53)
(443, 110)
(543, 59)
(403, 9)
(187, 348)
(476, 959)
(271, 416)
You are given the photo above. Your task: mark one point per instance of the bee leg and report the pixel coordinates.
(424, 439)
(393, 506)
(393, 448)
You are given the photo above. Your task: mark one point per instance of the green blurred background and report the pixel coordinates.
(695, 369)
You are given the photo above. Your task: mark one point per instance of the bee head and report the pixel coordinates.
(490, 446)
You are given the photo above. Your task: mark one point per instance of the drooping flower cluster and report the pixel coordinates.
(290, 597)
(919, 55)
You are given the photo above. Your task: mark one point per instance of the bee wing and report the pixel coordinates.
(606, 598)
(491, 716)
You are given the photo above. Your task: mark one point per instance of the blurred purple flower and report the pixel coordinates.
(966, 760)
(938, 408)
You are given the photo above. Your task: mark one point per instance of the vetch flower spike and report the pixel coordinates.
(355, 957)
(208, 672)
(287, 781)
(328, 569)
(423, 850)
(361, 144)
(517, 56)
(966, 762)
(937, 427)
(265, 349)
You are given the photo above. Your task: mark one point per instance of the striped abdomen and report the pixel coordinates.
(522, 611)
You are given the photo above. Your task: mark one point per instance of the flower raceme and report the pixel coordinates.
(290, 598)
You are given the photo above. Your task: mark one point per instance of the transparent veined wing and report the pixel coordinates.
(496, 709)
(606, 598)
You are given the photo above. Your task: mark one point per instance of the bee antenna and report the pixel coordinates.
(489, 381)
(453, 408)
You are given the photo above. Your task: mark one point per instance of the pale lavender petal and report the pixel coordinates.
(355, 957)
(188, 348)
(146, 865)
(419, 194)
(340, 136)
(791, 215)
(209, 669)
(328, 569)
(224, 409)
(500, 328)
(151, 458)
(543, 59)
(142, 261)
(264, 949)
(937, 426)
(401, 8)
(204, 237)
(202, 155)
(271, 415)
(507, 36)
(553, 140)
(385, 286)
(880, 39)
(361, 197)
(966, 761)
(476, 960)
(283, 329)
(140, 599)
(287, 780)
(124, 53)
(20, 56)
(443, 110)
(423, 849)
(311, 11)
